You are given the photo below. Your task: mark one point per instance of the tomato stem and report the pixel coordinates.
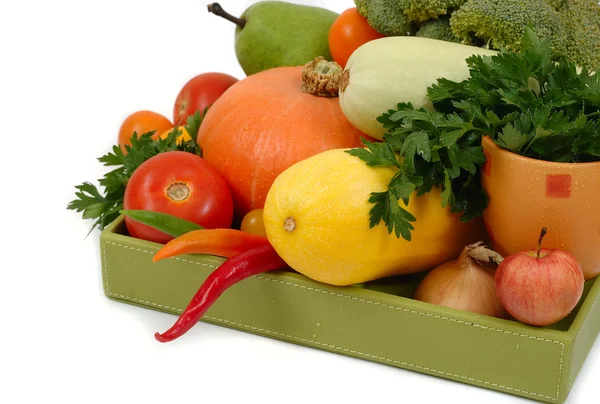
(216, 9)
(178, 191)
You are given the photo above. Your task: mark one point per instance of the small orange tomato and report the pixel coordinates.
(142, 122)
(253, 223)
(348, 32)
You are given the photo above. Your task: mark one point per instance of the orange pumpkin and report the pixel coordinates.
(268, 121)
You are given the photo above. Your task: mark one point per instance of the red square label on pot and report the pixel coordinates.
(558, 185)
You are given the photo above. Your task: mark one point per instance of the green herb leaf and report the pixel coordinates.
(193, 124)
(511, 139)
(446, 193)
(397, 219)
(375, 154)
(417, 143)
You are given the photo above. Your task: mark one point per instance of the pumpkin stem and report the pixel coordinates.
(216, 9)
(321, 78)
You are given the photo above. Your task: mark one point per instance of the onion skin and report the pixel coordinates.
(462, 284)
(444, 286)
(542, 290)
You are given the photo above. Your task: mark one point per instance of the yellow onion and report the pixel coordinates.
(466, 283)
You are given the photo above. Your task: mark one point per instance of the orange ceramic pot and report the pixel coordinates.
(527, 194)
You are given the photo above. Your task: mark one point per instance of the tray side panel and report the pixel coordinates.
(355, 322)
(586, 328)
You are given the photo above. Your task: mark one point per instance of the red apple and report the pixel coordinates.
(539, 287)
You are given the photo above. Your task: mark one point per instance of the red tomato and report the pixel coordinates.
(198, 93)
(181, 184)
(348, 32)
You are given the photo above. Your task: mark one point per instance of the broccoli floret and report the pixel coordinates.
(502, 23)
(556, 4)
(438, 28)
(423, 10)
(582, 22)
(396, 17)
(385, 16)
(361, 7)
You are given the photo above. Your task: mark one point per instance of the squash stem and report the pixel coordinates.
(290, 224)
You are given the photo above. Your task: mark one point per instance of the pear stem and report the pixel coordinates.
(216, 9)
(321, 78)
(542, 234)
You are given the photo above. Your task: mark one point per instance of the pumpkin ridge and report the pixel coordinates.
(264, 124)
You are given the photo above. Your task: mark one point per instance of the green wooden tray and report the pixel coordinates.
(377, 321)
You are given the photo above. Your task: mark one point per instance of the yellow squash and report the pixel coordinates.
(316, 217)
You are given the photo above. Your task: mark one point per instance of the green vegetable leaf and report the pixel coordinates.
(446, 193)
(116, 158)
(375, 154)
(470, 158)
(94, 205)
(417, 143)
(193, 124)
(402, 186)
(448, 139)
(387, 208)
(511, 139)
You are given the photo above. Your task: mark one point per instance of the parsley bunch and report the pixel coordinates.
(104, 206)
(526, 102)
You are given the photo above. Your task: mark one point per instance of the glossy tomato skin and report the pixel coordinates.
(199, 93)
(347, 33)
(253, 223)
(181, 184)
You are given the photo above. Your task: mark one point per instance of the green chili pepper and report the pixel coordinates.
(168, 224)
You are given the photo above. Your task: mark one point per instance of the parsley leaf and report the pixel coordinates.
(417, 143)
(376, 154)
(511, 138)
(387, 208)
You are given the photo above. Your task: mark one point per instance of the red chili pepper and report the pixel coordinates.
(249, 263)
(222, 242)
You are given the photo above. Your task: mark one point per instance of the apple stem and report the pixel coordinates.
(216, 9)
(542, 234)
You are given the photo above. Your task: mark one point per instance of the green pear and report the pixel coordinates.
(277, 33)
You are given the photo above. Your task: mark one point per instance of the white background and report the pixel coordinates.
(70, 72)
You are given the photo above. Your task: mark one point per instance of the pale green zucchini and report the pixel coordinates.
(384, 72)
